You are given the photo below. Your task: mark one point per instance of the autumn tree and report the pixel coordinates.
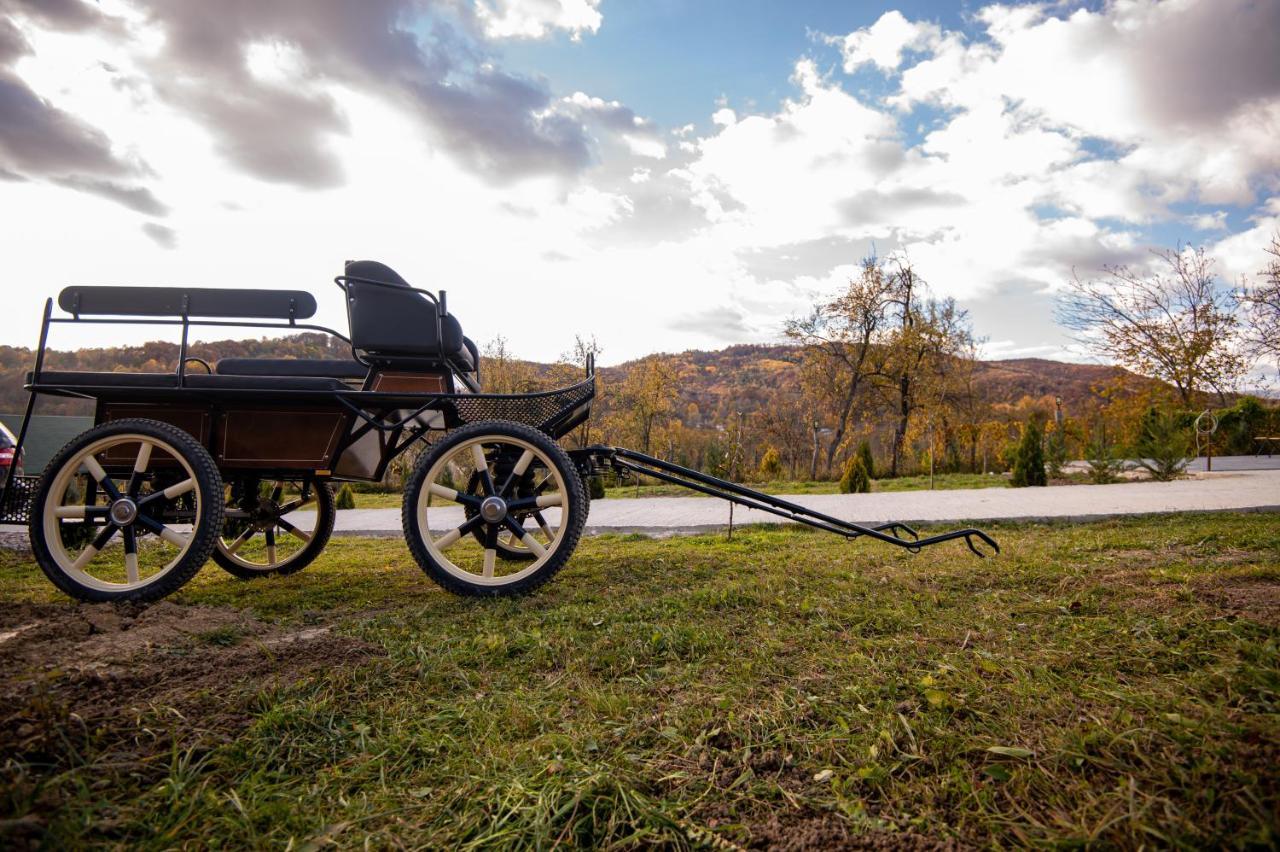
(967, 406)
(1261, 304)
(923, 339)
(502, 372)
(1174, 323)
(785, 427)
(838, 338)
(571, 369)
(647, 396)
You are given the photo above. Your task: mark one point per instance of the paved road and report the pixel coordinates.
(1218, 491)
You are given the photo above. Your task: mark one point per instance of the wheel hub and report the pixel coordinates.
(493, 509)
(123, 512)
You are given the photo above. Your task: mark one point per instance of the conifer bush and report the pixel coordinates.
(855, 479)
(1164, 446)
(770, 465)
(868, 462)
(346, 498)
(1028, 463)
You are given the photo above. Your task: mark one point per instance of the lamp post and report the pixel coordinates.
(1059, 438)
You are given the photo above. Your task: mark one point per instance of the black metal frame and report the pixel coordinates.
(373, 407)
(630, 463)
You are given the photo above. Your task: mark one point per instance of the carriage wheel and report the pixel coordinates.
(439, 519)
(127, 511)
(262, 535)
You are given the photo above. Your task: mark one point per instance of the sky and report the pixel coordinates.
(662, 175)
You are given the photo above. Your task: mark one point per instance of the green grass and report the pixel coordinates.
(1096, 684)
(943, 481)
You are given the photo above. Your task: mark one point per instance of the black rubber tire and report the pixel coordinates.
(208, 484)
(573, 517)
(326, 517)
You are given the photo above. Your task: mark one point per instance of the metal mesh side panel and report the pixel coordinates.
(531, 410)
(15, 505)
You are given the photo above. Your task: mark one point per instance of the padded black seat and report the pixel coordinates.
(325, 367)
(284, 383)
(106, 380)
(392, 324)
(153, 381)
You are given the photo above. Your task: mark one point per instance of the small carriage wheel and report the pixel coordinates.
(149, 488)
(469, 566)
(257, 538)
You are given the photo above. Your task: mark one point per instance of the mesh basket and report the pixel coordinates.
(544, 410)
(15, 504)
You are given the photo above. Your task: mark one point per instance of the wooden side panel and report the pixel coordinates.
(297, 438)
(409, 383)
(195, 421)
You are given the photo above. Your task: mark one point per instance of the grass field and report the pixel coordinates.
(1112, 683)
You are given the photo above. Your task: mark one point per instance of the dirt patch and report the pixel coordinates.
(1244, 597)
(50, 637)
(120, 687)
(807, 830)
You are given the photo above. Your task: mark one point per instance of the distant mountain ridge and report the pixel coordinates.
(742, 377)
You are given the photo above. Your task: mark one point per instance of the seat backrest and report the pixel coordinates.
(394, 320)
(220, 302)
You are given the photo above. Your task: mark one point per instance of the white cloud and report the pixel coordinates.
(883, 43)
(1212, 221)
(1003, 156)
(534, 19)
(1142, 75)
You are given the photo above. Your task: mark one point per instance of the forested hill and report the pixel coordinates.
(737, 378)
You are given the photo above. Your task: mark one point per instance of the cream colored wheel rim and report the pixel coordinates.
(269, 544)
(105, 563)
(455, 549)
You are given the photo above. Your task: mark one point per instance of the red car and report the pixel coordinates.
(8, 444)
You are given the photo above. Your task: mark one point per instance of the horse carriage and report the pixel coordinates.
(235, 460)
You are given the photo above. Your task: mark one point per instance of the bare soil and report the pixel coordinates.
(126, 685)
(1244, 597)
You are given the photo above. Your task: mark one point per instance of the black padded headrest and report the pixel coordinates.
(374, 271)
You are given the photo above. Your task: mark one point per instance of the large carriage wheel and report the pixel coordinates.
(127, 511)
(274, 526)
(439, 518)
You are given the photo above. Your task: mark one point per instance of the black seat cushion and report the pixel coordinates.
(393, 322)
(284, 383)
(150, 381)
(326, 367)
(106, 380)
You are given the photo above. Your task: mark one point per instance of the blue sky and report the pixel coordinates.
(674, 60)
(663, 175)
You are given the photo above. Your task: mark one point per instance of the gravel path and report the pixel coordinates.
(1223, 490)
(1206, 492)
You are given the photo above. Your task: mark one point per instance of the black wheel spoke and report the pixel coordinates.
(105, 536)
